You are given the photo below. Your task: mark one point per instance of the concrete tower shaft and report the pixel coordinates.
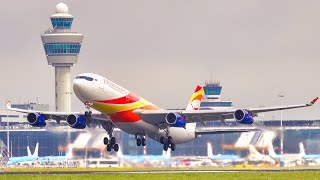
(63, 88)
(62, 48)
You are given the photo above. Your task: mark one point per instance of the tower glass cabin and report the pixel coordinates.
(62, 47)
(211, 100)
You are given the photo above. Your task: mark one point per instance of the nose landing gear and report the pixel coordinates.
(88, 105)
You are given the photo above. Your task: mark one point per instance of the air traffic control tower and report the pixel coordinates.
(62, 48)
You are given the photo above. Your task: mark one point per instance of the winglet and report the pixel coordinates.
(312, 102)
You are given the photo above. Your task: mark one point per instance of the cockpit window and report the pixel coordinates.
(85, 77)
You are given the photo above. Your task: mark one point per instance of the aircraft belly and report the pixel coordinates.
(179, 135)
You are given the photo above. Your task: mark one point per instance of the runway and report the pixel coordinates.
(158, 171)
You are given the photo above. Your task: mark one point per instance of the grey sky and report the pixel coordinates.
(162, 49)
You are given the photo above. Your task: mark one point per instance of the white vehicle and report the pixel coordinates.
(102, 163)
(120, 108)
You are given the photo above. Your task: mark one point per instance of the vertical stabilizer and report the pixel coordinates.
(36, 151)
(194, 104)
(195, 100)
(209, 150)
(302, 150)
(253, 151)
(271, 150)
(28, 151)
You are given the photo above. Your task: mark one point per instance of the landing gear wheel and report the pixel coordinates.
(165, 147)
(88, 114)
(162, 140)
(113, 141)
(105, 141)
(139, 142)
(143, 142)
(170, 140)
(116, 147)
(173, 147)
(109, 147)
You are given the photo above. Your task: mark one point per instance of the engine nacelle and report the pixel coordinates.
(76, 121)
(36, 120)
(175, 120)
(242, 116)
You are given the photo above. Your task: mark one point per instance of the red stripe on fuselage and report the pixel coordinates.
(130, 98)
(124, 116)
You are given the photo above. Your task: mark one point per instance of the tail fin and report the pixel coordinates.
(271, 150)
(209, 150)
(194, 104)
(29, 152)
(253, 151)
(302, 150)
(36, 151)
(195, 100)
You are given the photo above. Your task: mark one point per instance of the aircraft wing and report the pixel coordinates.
(58, 116)
(158, 117)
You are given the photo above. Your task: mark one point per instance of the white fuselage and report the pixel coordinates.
(118, 104)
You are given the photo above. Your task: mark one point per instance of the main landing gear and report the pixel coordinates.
(141, 141)
(167, 142)
(111, 141)
(111, 144)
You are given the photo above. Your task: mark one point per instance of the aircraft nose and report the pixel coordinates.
(79, 89)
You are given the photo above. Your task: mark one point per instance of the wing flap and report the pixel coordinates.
(203, 131)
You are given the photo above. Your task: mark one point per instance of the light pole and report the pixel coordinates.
(8, 136)
(281, 127)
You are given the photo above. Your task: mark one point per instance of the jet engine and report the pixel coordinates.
(242, 116)
(175, 120)
(36, 120)
(76, 121)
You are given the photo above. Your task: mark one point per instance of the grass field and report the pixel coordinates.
(178, 176)
(154, 168)
(41, 173)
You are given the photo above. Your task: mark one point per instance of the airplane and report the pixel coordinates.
(118, 107)
(25, 159)
(272, 153)
(222, 157)
(314, 157)
(256, 156)
(287, 158)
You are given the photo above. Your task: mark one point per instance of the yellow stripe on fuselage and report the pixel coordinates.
(114, 108)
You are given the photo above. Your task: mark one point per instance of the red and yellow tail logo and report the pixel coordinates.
(195, 100)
